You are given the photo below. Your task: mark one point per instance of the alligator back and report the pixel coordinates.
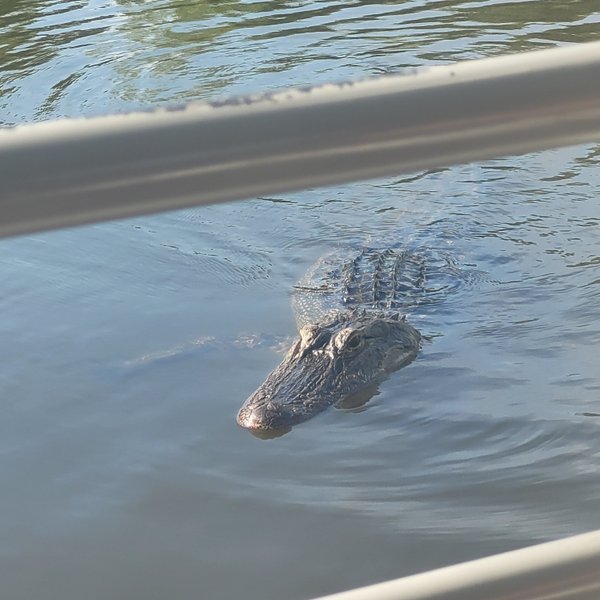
(388, 280)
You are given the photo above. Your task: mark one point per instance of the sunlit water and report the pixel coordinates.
(127, 348)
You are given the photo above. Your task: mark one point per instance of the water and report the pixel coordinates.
(128, 347)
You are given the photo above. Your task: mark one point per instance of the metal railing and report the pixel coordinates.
(77, 171)
(82, 170)
(560, 570)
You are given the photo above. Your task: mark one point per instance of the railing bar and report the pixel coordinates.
(70, 172)
(558, 570)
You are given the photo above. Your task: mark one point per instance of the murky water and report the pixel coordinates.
(128, 347)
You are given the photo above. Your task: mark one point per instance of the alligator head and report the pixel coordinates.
(331, 362)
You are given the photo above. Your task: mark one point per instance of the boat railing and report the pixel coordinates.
(73, 171)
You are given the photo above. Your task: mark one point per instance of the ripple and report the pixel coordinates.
(175, 51)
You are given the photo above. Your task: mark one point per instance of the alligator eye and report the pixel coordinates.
(354, 342)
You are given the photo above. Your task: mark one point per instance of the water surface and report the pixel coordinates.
(127, 348)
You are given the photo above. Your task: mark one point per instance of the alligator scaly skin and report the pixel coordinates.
(385, 280)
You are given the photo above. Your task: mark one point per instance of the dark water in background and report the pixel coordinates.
(128, 347)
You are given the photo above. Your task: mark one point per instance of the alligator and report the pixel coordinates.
(352, 334)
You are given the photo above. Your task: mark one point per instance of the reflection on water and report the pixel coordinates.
(107, 55)
(128, 347)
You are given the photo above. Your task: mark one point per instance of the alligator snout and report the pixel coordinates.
(260, 416)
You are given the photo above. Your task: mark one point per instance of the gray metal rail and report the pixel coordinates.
(567, 569)
(76, 171)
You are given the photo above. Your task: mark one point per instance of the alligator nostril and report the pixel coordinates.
(255, 416)
(262, 421)
(248, 418)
